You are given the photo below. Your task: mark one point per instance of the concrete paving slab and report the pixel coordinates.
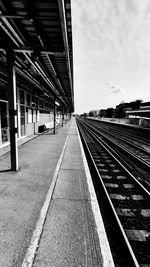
(73, 130)
(69, 237)
(71, 185)
(72, 157)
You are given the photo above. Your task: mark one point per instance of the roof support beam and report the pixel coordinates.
(29, 59)
(29, 8)
(61, 6)
(55, 74)
(43, 75)
(32, 49)
(9, 30)
(14, 16)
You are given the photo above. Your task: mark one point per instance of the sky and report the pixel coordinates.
(111, 52)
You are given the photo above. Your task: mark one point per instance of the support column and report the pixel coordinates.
(54, 116)
(62, 116)
(0, 130)
(11, 91)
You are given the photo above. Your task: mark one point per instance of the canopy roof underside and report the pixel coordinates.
(40, 34)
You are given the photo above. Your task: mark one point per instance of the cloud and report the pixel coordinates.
(114, 88)
(115, 32)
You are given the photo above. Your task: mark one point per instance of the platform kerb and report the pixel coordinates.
(69, 237)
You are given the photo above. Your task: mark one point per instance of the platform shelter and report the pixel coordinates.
(36, 68)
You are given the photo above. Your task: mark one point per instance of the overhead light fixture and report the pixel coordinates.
(57, 104)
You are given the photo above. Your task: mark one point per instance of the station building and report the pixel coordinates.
(141, 115)
(32, 112)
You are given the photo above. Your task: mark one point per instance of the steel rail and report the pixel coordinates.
(123, 139)
(109, 149)
(146, 164)
(115, 128)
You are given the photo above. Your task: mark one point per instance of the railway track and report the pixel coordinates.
(133, 137)
(136, 158)
(134, 144)
(127, 198)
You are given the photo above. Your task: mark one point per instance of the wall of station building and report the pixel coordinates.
(32, 112)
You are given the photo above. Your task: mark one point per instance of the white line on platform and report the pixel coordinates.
(30, 255)
(104, 245)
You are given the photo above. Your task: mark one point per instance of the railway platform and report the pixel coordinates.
(48, 209)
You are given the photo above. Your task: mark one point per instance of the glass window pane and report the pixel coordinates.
(36, 102)
(28, 100)
(33, 101)
(22, 99)
(22, 112)
(4, 121)
(29, 116)
(34, 115)
(40, 103)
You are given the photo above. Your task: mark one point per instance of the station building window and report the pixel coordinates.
(34, 116)
(33, 101)
(28, 97)
(22, 98)
(29, 117)
(4, 115)
(41, 104)
(4, 122)
(47, 106)
(36, 102)
(22, 112)
(37, 115)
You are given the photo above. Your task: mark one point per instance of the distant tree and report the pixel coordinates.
(85, 115)
(102, 113)
(91, 114)
(109, 112)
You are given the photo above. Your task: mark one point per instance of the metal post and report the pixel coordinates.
(54, 117)
(12, 110)
(0, 130)
(62, 116)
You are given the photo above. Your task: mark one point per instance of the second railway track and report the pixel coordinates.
(128, 199)
(133, 145)
(137, 159)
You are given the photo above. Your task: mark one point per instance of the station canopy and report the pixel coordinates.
(40, 34)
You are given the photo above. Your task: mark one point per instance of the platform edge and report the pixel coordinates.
(102, 236)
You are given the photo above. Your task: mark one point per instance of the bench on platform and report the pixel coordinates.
(49, 125)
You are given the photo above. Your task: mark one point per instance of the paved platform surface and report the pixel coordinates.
(22, 193)
(49, 215)
(70, 235)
